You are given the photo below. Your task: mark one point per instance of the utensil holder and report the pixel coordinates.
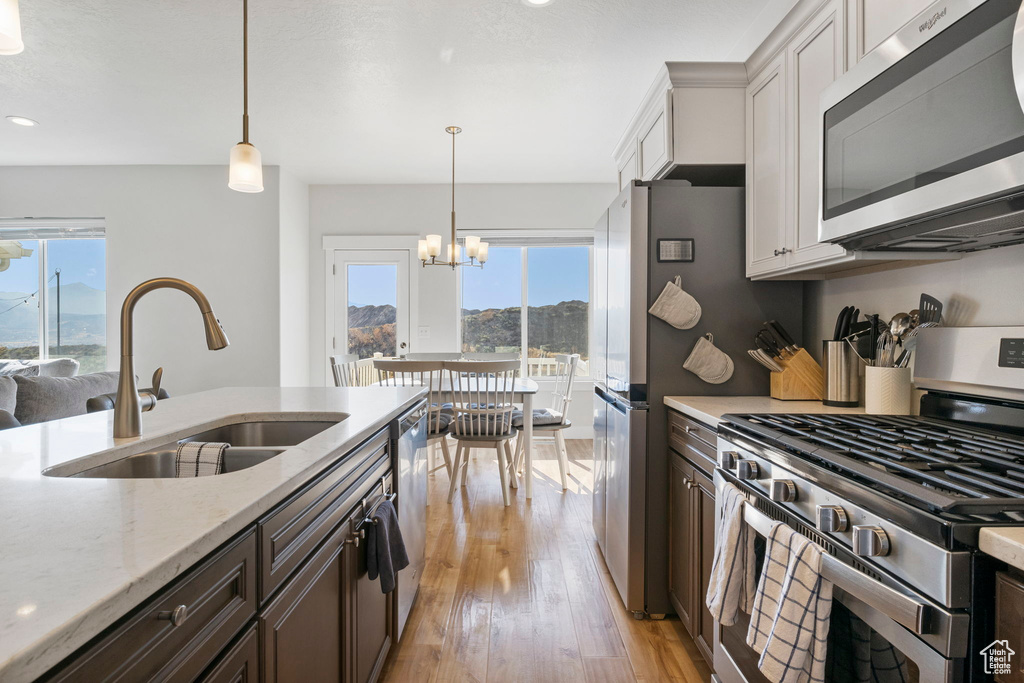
(887, 391)
(842, 374)
(801, 379)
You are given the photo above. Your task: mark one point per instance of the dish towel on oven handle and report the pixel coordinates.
(792, 609)
(731, 587)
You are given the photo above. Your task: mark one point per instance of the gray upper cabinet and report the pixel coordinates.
(809, 50)
(766, 170)
(816, 59)
(691, 116)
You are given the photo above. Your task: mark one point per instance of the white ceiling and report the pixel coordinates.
(354, 92)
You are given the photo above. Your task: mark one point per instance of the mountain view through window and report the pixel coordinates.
(557, 298)
(73, 298)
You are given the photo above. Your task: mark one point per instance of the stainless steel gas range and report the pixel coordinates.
(897, 503)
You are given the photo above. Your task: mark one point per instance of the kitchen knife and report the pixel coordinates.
(766, 343)
(780, 333)
(769, 362)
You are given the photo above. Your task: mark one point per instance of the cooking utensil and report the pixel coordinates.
(842, 323)
(899, 326)
(768, 361)
(785, 339)
(753, 354)
(873, 339)
(930, 309)
(886, 350)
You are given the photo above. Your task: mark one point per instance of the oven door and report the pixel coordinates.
(875, 626)
(926, 124)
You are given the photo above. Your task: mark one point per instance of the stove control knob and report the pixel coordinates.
(747, 469)
(832, 518)
(727, 459)
(783, 491)
(870, 541)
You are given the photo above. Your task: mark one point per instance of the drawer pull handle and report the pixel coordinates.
(354, 539)
(176, 616)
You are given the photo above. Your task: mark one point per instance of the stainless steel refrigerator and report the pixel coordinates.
(637, 359)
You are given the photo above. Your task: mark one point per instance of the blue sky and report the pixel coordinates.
(372, 285)
(79, 260)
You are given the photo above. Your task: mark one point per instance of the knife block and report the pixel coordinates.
(801, 380)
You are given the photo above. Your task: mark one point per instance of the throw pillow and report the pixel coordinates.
(41, 399)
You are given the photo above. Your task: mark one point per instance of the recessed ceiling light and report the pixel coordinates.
(22, 121)
(537, 3)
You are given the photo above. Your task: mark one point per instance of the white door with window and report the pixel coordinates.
(370, 310)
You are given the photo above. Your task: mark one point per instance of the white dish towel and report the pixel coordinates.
(731, 587)
(792, 610)
(199, 459)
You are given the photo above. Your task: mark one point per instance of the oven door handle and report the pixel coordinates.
(900, 607)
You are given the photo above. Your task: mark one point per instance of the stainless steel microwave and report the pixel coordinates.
(922, 145)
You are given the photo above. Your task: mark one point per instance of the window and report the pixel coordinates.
(53, 294)
(372, 309)
(553, 282)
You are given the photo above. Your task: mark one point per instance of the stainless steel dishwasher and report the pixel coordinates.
(409, 444)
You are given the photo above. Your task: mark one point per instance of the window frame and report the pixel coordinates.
(508, 238)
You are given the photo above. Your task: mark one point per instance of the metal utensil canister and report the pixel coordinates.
(842, 374)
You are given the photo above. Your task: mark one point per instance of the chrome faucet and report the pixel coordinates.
(127, 406)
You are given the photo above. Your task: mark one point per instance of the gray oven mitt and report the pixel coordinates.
(676, 307)
(709, 362)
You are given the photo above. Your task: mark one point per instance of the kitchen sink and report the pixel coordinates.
(250, 443)
(160, 464)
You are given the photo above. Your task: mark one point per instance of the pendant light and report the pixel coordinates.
(10, 28)
(430, 248)
(245, 172)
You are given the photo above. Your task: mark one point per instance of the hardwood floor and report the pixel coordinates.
(522, 593)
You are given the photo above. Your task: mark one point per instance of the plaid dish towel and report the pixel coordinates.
(199, 459)
(875, 658)
(731, 587)
(790, 620)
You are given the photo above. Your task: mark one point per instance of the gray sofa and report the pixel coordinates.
(32, 399)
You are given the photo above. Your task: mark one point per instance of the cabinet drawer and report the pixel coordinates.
(693, 440)
(219, 597)
(240, 664)
(288, 535)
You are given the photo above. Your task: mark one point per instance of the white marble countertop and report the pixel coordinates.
(710, 409)
(1003, 543)
(79, 553)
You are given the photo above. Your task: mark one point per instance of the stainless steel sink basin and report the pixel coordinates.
(263, 434)
(160, 464)
(251, 443)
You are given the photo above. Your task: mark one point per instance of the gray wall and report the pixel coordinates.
(182, 221)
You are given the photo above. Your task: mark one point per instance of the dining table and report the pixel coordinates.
(523, 390)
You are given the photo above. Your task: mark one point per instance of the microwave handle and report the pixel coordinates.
(1017, 56)
(898, 606)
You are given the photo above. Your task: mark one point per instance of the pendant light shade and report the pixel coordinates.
(10, 28)
(430, 248)
(246, 171)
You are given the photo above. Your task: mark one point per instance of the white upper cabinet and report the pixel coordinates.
(766, 170)
(691, 115)
(816, 58)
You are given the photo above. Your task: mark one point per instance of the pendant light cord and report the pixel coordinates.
(245, 71)
(454, 242)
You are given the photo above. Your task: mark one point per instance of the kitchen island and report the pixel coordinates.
(82, 553)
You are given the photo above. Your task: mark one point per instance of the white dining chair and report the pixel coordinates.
(482, 393)
(554, 419)
(343, 367)
(415, 373)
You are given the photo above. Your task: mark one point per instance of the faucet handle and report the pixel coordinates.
(157, 378)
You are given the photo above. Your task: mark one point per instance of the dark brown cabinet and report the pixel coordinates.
(692, 527)
(289, 600)
(1010, 618)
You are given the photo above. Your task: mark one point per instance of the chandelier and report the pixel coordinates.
(430, 248)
